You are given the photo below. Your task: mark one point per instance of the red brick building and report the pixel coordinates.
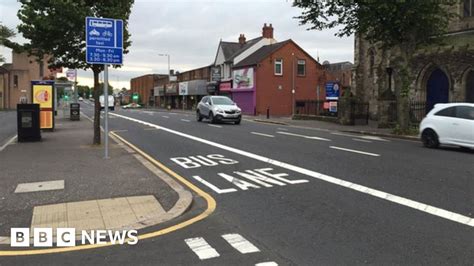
(266, 79)
(144, 86)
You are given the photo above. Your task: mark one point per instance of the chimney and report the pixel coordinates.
(267, 31)
(242, 39)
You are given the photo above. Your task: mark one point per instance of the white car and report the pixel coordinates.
(218, 109)
(449, 123)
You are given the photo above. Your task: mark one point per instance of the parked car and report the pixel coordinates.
(218, 109)
(80, 99)
(450, 123)
(131, 106)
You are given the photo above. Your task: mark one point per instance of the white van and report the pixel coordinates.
(111, 102)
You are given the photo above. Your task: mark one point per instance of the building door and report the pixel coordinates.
(437, 89)
(470, 87)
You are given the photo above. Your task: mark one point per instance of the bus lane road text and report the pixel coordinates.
(240, 180)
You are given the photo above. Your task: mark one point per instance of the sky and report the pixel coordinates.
(189, 31)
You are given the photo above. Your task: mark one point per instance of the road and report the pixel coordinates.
(297, 196)
(7, 126)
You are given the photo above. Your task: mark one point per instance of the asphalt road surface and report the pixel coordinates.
(7, 126)
(296, 196)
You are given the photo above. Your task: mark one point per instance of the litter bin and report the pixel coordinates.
(75, 111)
(28, 122)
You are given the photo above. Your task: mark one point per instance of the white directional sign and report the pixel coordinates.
(104, 41)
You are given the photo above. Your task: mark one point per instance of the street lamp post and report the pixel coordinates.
(293, 85)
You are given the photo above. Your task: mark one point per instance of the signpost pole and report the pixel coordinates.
(106, 110)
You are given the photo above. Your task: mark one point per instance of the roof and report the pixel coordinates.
(339, 66)
(233, 49)
(261, 53)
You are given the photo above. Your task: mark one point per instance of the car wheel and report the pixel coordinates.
(198, 116)
(237, 122)
(211, 118)
(429, 138)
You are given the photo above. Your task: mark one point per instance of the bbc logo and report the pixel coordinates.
(42, 237)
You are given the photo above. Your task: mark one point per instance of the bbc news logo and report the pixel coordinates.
(66, 237)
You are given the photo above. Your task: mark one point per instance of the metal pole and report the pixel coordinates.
(317, 100)
(76, 92)
(293, 85)
(106, 110)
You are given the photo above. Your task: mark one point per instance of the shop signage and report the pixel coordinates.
(215, 74)
(183, 88)
(332, 91)
(242, 79)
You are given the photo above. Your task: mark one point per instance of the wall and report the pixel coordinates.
(275, 91)
(143, 86)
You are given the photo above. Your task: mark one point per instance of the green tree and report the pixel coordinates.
(57, 28)
(403, 25)
(100, 89)
(5, 35)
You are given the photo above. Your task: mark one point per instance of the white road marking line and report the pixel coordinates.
(164, 116)
(355, 151)
(40, 186)
(281, 128)
(345, 134)
(214, 126)
(362, 140)
(452, 216)
(240, 243)
(261, 134)
(10, 141)
(302, 136)
(185, 120)
(202, 249)
(148, 112)
(267, 263)
(173, 113)
(375, 138)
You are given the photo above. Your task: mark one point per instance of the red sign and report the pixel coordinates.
(225, 86)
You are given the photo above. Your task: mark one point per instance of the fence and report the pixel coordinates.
(359, 113)
(417, 112)
(312, 107)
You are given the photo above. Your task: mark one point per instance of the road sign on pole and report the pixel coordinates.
(104, 45)
(104, 41)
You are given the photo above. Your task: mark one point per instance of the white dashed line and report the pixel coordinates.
(214, 126)
(164, 116)
(345, 134)
(355, 151)
(202, 249)
(445, 214)
(375, 138)
(267, 263)
(362, 140)
(240, 243)
(261, 134)
(185, 120)
(302, 136)
(281, 128)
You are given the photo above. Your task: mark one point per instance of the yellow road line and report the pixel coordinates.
(211, 206)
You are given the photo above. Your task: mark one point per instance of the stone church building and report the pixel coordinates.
(441, 73)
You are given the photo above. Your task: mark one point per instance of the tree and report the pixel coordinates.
(405, 25)
(57, 28)
(5, 35)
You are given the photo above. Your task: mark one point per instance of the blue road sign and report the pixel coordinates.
(104, 41)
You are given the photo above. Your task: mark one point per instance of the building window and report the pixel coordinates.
(279, 67)
(468, 8)
(15, 80)
(301, 69)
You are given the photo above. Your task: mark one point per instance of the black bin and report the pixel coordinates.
(28, 122)
(75, 111)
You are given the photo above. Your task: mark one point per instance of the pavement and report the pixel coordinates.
(293, 195)
(64, 181)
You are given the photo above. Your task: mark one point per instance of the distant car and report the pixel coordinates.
(80, 99)
(131, 106)
(450, 123)
(218, 109)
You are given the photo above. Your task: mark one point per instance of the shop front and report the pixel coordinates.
(225, 88)
(243, 89)
(191, 92)
(171, 99)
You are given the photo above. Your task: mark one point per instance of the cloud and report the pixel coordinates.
(190, 32)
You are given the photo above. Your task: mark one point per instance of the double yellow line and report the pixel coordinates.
(211, 206)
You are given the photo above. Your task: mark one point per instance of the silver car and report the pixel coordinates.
(218, 109)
